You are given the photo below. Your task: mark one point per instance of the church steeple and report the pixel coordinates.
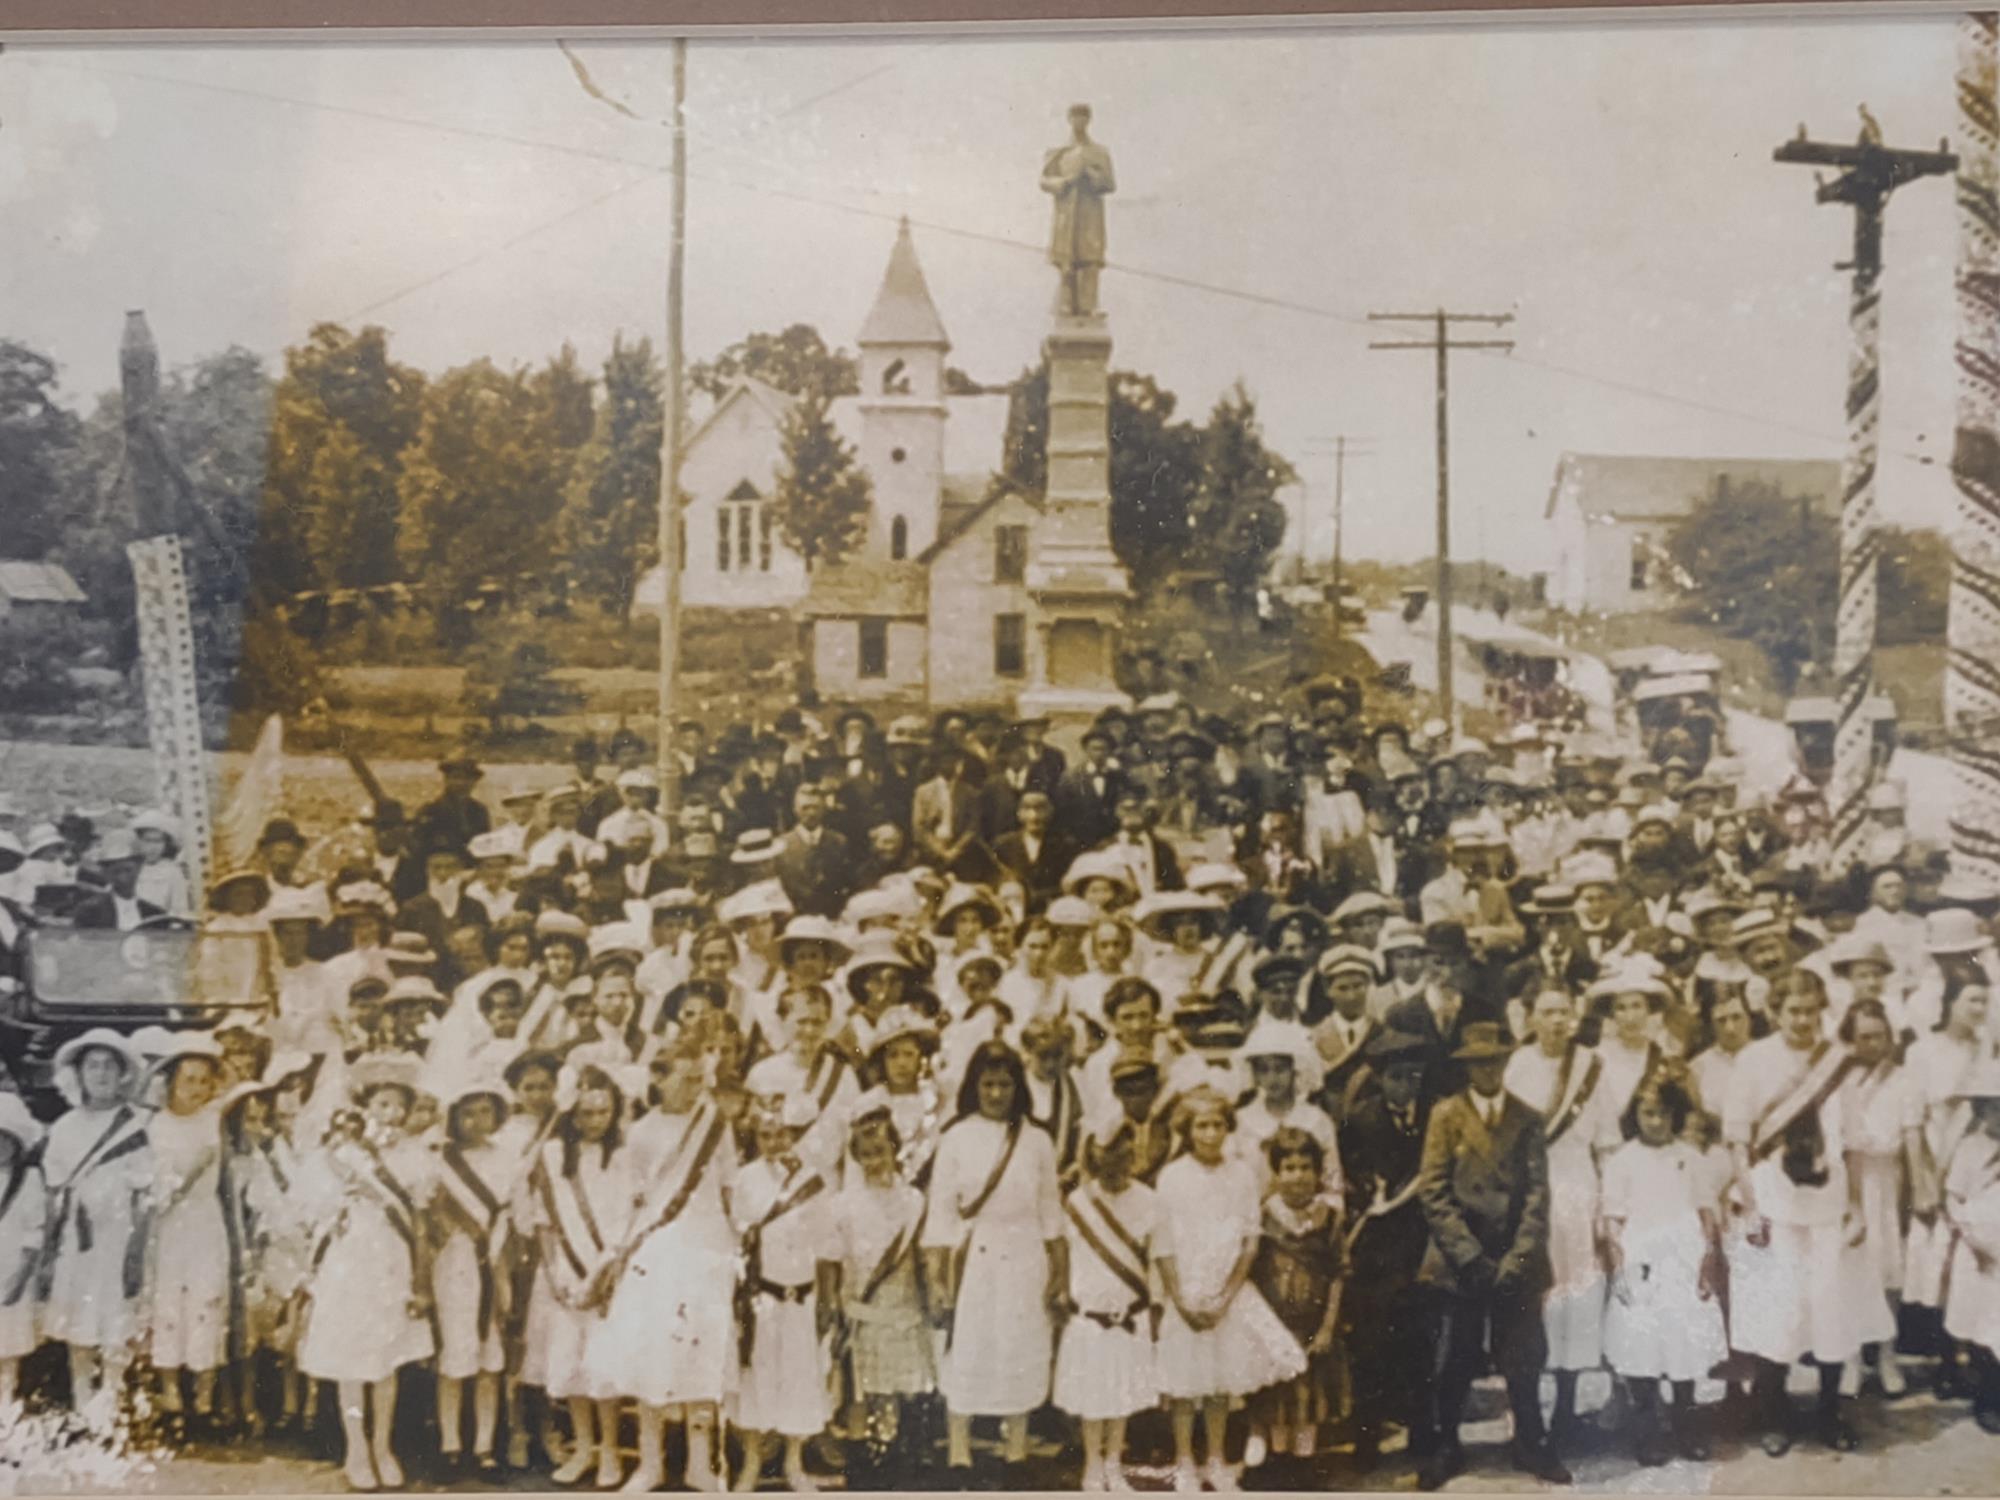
(903, 345)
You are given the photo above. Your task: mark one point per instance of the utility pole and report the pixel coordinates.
(1972, 632)
(1870, 172)
(670, 453)
(1442, 343)
(1344, 448)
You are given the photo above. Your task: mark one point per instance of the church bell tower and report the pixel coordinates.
(903, 345)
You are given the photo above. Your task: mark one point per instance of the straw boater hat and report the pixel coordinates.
(1098, 864)
(238, 877)
(1953, 930)
(1363, 904)
(298, 903)
(1351, 958)
(412, 949)
(616, 942)
(1853, 949)
(375, 1070)
(1287, 1039)
(810, 929)
(1401, 935)
(554, 924)
(680, 899)
(1585, 870)
(1158, 911)
(357, 896)
(958, 897)
(1071, 911)
(1629, 979)
(1216, 877)
(70, 1054)
(453, 1085)
(493, 844)
(1484, 1042)
(1707, 901)
(897, 1022)
(766, 898)
(754, 846)
(1550, 900)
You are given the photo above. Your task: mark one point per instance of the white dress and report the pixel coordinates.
(1104, 1363)
(1208, 1218)
(1573, 1311)
(23, 1217)
(997, 1362)
(1936, 1063)
(190, 1267)
(783, 1386)
(1878, 1107)
(831, 1085)
(1972, 1209)
(96, 1163)
(467, 1273)
(359, 1325)
(670, 1335)
(560, 1341)
(1658, 1324)
(1805, 1291)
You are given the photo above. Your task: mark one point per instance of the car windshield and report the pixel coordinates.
(150, 967)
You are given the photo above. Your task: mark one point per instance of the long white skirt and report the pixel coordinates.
(1657, 1323)
(1247, 1351)
(554, 1341)
(1103, 1373)
(1805, 1292)
(1002, 1342)
(358, 1326)
(1926, 1253)
(462, 1351)
(1881, 1181)
(1972, 1300)
(670, 1334)
(784, 1387)
(1573, 1311)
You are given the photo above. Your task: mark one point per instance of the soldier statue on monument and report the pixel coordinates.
(1078, 175)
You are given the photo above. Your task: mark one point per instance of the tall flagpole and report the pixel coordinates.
(1972, 667)
(670, 453)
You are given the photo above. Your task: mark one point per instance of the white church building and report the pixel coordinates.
(941, 533)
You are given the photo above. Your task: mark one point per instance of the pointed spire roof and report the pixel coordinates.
(903, 311)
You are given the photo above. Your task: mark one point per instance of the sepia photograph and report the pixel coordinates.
(1250, 758)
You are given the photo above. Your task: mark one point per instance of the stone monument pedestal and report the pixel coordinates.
(1078, 587)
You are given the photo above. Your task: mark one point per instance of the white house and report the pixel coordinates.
(37, 590)
(1610, 515)
(930, 457)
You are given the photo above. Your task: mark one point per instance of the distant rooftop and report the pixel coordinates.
(1641, 487)
(38, 583)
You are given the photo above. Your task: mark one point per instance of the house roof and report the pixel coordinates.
(38, 583)
(1636, 487)
(955, 521)
(903, 311)
(868, 587)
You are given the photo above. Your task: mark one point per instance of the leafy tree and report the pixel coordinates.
(1236, 518)
(342, 415)
(796, 361)
(822, 497)
(37, 437)
(1155, 465)
(1762, 566)
(958, 383)
(483, 483)
(608, 531)
(1914, 587)
(508, 687)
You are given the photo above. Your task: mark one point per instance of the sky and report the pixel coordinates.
(1611, 185)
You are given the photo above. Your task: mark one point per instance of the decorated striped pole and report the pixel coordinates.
(1871, 172)
(1972, 666)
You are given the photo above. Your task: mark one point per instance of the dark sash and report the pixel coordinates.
(1308, 1249)
(893, 1256)
(107, 1148)
(480, 1211)
(751, 1284)
(1566, 1107)
(831, 1062)
(967, 1212)
(16, 1180)
(1133, 1277)
(1825, 1072)
(1065, 1120)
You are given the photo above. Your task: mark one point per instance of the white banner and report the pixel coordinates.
(173, 713)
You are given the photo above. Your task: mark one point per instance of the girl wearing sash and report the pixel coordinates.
(575, 1199)
(810, 1066)
(1183, 930)
(1938, 1062)
(562, 948)
(475, 1181)
(99, 1169)
(993, 1252)
(1298, 1271)
(1665, 1317)
(1972, 1211)
(1629, 999)
(782, 1209)
(1104, 1364)
(279, 1203)
(190, 1256)
(667, 1339)
(1884, 1120)
(531, 1080)
(1219, 1340)
(1031, 986)
(898, 1052)
(875, 1283)
(1563, 1081)
(371, 1284)
(1799, 1283)
(24, 1203)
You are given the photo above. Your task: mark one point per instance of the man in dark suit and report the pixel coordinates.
(1438, 1016)
(1086, 797)
(1381, 1150)
(443, 907)
(1154, 864)
(814, 864)
(1034, 853)
(455, 817)
(1045, 763)
(1484, 1188)
(117, 907)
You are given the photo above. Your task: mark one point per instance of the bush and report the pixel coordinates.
(37, 653)
(514, 687)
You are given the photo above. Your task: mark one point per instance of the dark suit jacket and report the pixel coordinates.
(1042, 875)
(1081, 812)
(1166, 863)
(818, 878)
(1442, 1076)
(1485, 1196)
(443, 825)
(98, 911)
(1379, 1159)
(1045, 771)
(423, 914)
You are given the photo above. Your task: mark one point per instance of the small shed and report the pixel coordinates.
(38, 590)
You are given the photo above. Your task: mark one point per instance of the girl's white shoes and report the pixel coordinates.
(1187, 1479)
(1221, 1478)
(1114, 1478)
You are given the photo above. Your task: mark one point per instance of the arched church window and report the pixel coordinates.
(899, 539)
(896, 379)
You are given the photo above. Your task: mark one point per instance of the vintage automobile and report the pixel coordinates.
(74, 978)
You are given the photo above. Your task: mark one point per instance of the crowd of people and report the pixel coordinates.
(1244, 1090)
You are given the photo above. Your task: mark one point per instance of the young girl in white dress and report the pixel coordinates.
(810, 1066)
(1104, 1363)
(1938, 1062)
(371, 1287)
(99, 1169)
(668, 1339)
(1883, 1117)
(1219, 1340)
(476, 1179)
(1664, 1321)
(23, 1217)
(1972, 1210)
(876, 1284)
(575, 1200)
(993, 1246)
(189, 1257)
(782, 1208)
(897, 1067)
